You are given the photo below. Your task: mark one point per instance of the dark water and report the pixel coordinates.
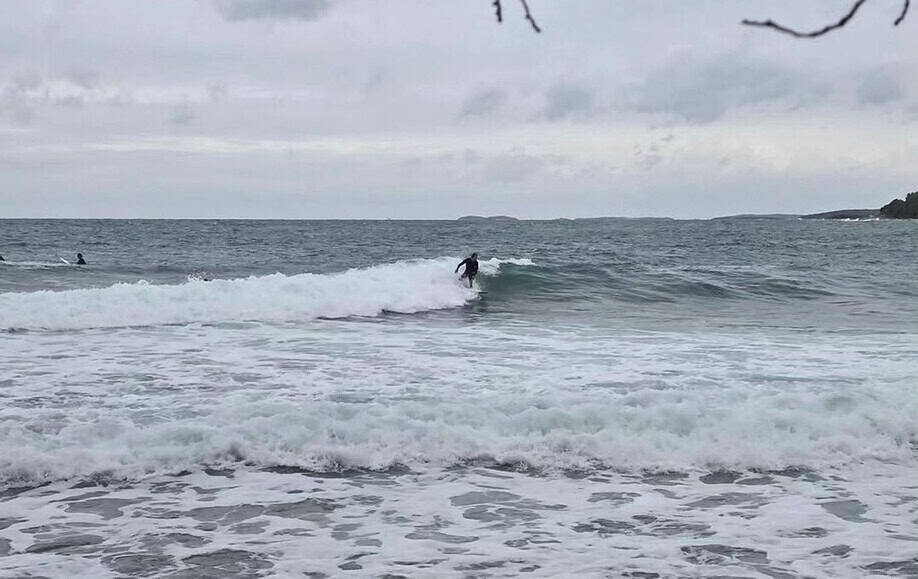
(820, 274)
(614, 398)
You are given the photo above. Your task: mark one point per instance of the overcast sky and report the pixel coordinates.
(430, 109)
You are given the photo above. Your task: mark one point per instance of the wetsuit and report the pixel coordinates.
(471, 268)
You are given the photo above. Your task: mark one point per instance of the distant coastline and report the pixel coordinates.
(489, 218)
(896, 209)
(845, 214)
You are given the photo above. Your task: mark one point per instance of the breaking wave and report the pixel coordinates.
(402, 287)
(654, 430)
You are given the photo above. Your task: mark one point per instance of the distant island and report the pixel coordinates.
(899, 209)
(895, 209)
(845, 214)
(757, 216)
(489, 218)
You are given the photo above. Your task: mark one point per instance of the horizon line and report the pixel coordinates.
(464, 217)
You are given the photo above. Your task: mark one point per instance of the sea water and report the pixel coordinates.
(612, 398)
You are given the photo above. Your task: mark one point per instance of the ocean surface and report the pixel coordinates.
(614, 398)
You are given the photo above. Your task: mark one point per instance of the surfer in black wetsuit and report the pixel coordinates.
(471, 267)
(80, 260)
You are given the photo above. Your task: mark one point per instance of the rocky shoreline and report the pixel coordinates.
(895, 209)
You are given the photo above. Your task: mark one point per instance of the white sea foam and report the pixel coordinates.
(403, 287)
(341, 395)
(560, 432)
(36, 264)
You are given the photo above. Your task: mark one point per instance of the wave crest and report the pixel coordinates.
(403, 287)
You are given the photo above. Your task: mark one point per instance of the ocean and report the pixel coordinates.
(640, 398)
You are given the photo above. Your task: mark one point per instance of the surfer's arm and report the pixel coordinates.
(463, 262)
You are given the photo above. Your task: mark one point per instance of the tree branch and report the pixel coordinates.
(826, 29)
(772, 24)
(902, 16)
(530, 18)
(498, 12)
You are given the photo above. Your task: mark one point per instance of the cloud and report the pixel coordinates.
(16, 97)
(28, 96)
(237, 10)
(182, 114)
(85, 79)
(217, 91)
(879, 88)
(483, 103)
(564, 101)
(649, 156)
(375, 79)
(512, 167)
(704, 90)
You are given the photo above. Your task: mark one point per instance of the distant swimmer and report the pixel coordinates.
(80, 260)
(471, 268)
(1, 258)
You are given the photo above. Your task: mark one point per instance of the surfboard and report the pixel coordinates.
(64, 260)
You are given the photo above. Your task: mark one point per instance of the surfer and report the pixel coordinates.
(471, 267)
(1, 258)
(80, 260)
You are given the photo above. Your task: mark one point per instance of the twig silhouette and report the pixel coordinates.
(826, 29)
(498, 12)
(902, 15)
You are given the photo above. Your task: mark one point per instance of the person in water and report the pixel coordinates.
(1, 258)
(471, 268)
(80, 260)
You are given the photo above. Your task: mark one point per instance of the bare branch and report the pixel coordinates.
(529, 16)
(826, 29)
(902, 16)
(772, 24)
(498, 11)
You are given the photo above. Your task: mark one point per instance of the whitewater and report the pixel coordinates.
(613, 398)
(402, 287)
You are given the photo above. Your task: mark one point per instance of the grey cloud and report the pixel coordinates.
(84, 79)
(182, 114)
(512, 167)
(375, 79)
(26, 82)
(70, 101)
(122, 98)
(648, 157)
(470, 156)
(879, 88)
(16, 97)
(237, 10)
(483, 103)
(25, 93)
(703, 91)
(567, 101)
(217, 91)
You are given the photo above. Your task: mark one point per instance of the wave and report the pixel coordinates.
(642, 430)
(37, 264)
(635, 283)
(402, 287)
